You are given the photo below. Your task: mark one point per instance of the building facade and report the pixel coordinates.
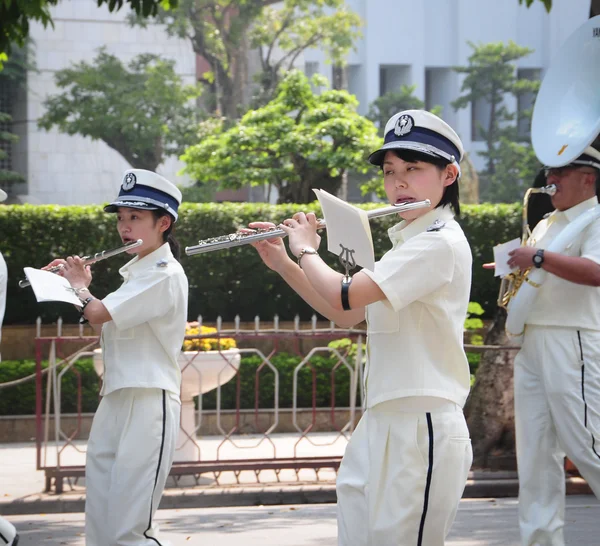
(65, 169)
(419, 42)
(413, 42)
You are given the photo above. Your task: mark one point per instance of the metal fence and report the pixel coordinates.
(285, 443)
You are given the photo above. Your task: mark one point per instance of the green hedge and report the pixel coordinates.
(227, 283)
(20, 400)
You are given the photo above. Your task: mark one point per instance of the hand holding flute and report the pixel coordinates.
(58, 265)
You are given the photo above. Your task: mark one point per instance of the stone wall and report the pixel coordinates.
(22, 428)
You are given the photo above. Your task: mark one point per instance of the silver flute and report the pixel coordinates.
(239, 239)
(88, 260)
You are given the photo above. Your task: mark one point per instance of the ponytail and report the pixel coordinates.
(169, 234)
(174, 244)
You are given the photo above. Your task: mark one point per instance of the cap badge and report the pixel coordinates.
(437, 225)
(128, 182)
(404, 125)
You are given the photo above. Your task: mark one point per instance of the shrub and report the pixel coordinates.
(227, 283)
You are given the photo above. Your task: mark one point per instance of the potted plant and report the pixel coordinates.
(205, 364)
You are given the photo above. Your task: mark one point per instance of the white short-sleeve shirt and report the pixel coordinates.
(415, 336)
(142, 342)
(560, 302)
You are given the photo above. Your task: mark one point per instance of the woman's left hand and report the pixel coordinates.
(302, 232)
(76, 272)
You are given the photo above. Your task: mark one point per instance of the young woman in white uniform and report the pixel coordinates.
(133, 436)
(405, 468)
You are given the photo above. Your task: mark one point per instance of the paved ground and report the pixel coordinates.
(482, 522)
(21, 486)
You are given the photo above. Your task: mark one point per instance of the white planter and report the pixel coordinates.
(202, 372)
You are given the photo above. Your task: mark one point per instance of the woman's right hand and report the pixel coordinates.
(271, 251)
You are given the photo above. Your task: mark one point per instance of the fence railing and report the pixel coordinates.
(254, 439)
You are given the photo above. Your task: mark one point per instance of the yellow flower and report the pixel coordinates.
(205, 344)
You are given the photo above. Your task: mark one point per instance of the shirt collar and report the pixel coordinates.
(402, 231)
(138, 265)
(577, 210)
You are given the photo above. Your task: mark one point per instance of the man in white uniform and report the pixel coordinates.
(8, 533)
(557, 371)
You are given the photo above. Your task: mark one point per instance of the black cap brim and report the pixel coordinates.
(114, 207)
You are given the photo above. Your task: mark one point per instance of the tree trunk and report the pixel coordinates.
(490, 408)
(469, 182)
(339, 76)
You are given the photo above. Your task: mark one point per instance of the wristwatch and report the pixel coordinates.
(538, 258)
(306, 250)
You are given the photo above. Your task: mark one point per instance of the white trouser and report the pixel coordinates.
(402, 476)
(129, 456)
(8, 533)
(557, 411)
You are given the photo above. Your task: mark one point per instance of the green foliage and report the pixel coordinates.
(474, 310)
(295, 26)
(227, 283)
(490, 76)
(321, 363)
(299, 141)
(197, 194)
(473, 322)
(16, 15)
(222, 31)
(392, 102)
(547, 3)
(142, 111)
(20, 399)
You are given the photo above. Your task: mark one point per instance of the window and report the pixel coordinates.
(392, 77)
(5, 126)
(525, 102)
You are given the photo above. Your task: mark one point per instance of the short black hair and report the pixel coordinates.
(451, 192)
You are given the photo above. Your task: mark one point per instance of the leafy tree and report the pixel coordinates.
(297, 142)
(392, 102)
(16, 15)
(491, 77)
(222, 32)
(294, 27)
(142, 111)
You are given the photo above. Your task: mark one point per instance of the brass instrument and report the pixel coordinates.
(88, 260)
(512, 282)
(239, 239)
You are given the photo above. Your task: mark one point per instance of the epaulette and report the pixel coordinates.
(437, 225)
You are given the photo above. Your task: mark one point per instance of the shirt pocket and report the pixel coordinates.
(382, 319)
